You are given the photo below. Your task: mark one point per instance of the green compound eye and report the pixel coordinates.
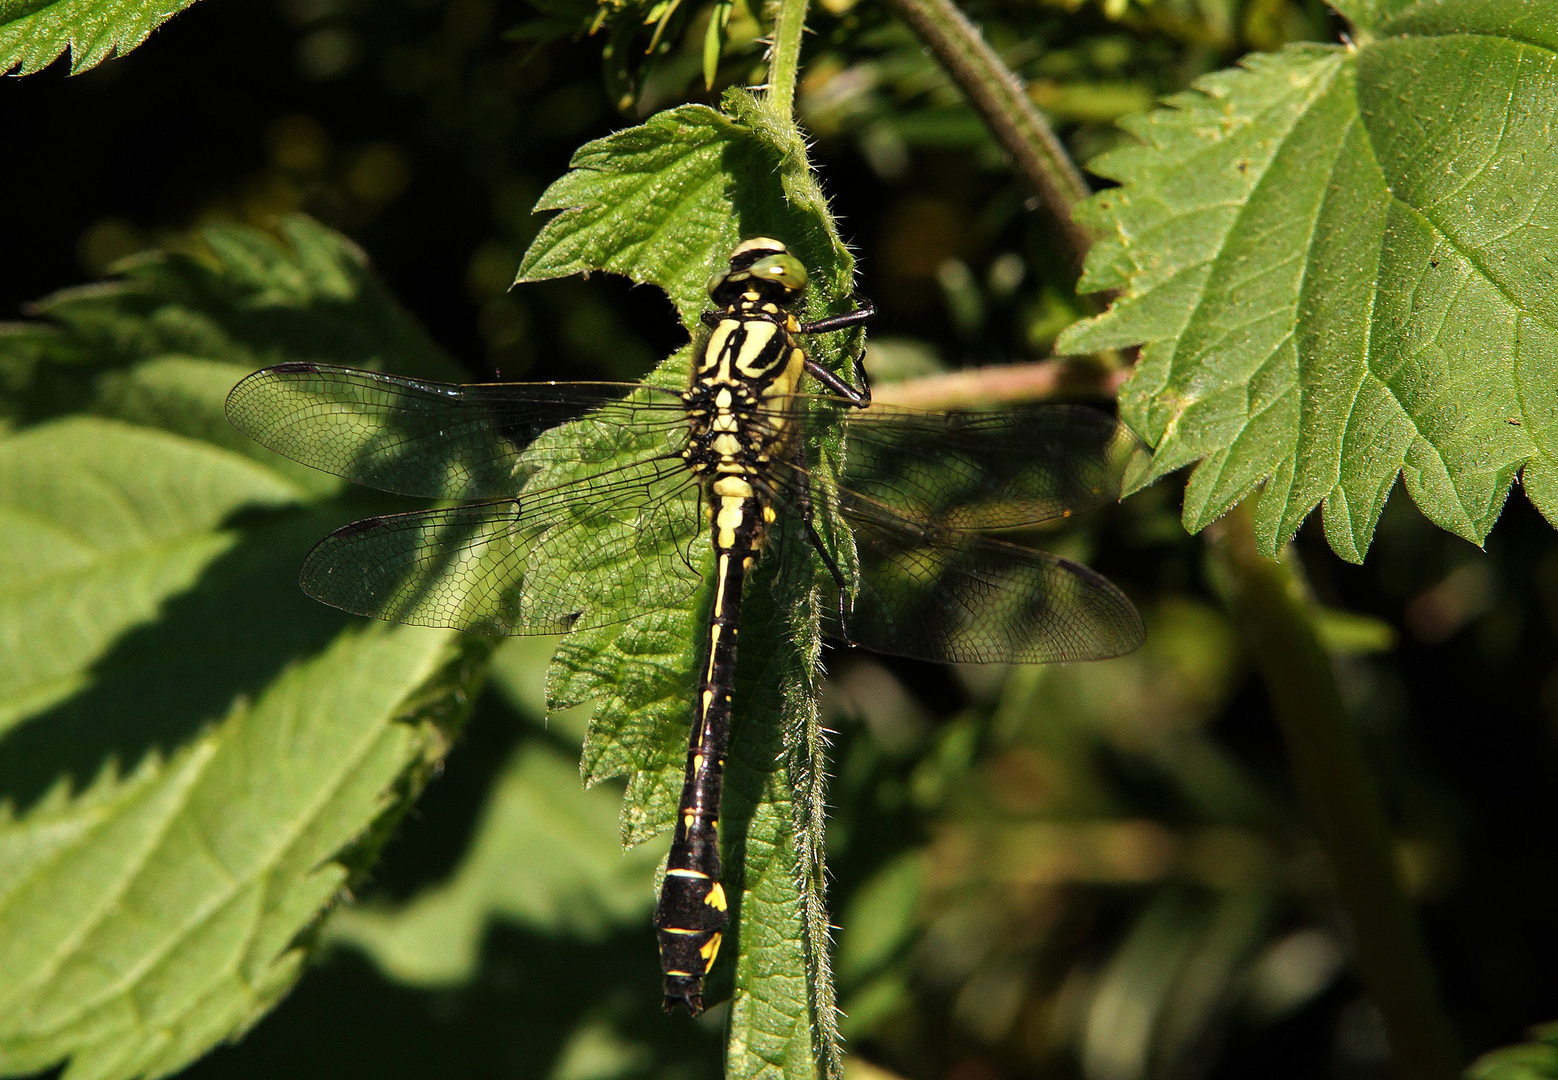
(785, 269)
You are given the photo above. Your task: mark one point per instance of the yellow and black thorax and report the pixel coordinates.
(738, 403)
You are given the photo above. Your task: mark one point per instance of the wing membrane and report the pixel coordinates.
(439, 440)
(990, 470)
(575, 556)
(950, 596)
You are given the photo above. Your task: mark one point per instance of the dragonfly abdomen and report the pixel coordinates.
(692, 911)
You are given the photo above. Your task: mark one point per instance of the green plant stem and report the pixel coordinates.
(1337, 788)
(997, 95)
(784, 59)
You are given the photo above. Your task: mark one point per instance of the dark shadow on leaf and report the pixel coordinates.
(537, 1002)
(225, 638)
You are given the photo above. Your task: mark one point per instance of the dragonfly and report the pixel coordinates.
(575, 501)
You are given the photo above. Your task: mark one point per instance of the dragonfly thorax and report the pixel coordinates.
(738, 402)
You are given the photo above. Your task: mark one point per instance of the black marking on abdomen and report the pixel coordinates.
(692, 911)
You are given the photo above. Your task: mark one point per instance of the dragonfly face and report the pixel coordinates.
(582, 500)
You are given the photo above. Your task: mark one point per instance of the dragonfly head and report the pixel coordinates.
(761, 266)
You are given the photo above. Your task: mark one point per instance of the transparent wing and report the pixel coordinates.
(438, 440)
(949, 596)
(985, 470)
(589, 553)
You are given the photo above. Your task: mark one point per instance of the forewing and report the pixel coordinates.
(944, 595)
(438, 440)
(585, 554)
(987, 470)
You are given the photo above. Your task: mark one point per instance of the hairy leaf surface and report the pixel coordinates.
(1338, 264)
(663, 204)
(33, 33)
(194, 757)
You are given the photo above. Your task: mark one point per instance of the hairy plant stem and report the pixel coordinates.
(1337, 788)
(996, 94)
(784, 58)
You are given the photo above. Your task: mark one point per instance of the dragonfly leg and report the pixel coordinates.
(803, 503)
(711, 319)
(863, 313)
(859, 395)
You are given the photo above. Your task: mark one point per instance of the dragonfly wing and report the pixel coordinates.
(948, 596)
(438, 440)
(988, 470)
(580, 555)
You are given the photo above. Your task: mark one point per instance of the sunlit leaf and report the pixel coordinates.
(153, 914)
(1337, 261)
(104, 522)
(33, 33)
(194, 757)
(1535, 1060)
(664, 203)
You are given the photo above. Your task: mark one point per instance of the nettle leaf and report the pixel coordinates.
(1338, 263)
(663, 203)
(546, 854)
(194, 757)
(104, 522)
(155, 914)
(33, 33)
(239, 296)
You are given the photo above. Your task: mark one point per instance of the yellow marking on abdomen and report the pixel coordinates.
(732, 487)
(732, 512)
(710, 950)
(699, 874)
(716, 897)
(719, 590)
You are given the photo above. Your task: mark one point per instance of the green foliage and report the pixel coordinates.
(198, 758)
(1332, 259)
(546, 856)
(1535, 1060)
(33, 33)
(653, 202)
(657, 203)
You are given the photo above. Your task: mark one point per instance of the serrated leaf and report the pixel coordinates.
(1337, 263)
(153, 915)
(34, 33)
(154, 566)
(239, 296)
(664, 203)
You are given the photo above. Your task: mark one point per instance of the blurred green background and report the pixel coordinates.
(1096, 871)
